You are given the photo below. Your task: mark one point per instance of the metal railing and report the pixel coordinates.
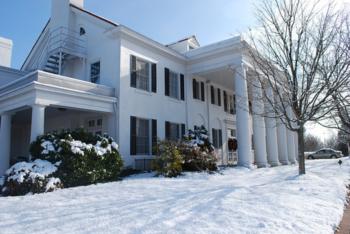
(58, 40)
(68, 41)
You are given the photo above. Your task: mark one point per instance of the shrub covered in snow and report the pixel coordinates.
(194, 153)
(198, 151)
(33, 177)
(169, 160)
(84, 158)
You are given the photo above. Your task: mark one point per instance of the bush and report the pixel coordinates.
(194, 153)
(169, 160)
(198, 151)
(84, 158)
(36, 177)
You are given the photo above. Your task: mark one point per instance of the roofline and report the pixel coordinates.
(182, 40)
(132, 33)
(94, 15)
(36, 42)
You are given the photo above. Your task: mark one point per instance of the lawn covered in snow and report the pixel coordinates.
(238, 200)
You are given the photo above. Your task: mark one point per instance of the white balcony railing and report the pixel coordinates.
(59, 40)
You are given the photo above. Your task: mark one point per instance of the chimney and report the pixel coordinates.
(60, 12)
(5, 52)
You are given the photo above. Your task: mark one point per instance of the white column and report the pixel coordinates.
(38, 122)
(259, 125)
(242, 119)
(111, 125)
(5, 139)
(282, 142)
(290, 140)
(271, 131)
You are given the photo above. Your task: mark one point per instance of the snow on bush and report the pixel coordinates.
(31, 177)
(84, 158)
(194, 153)
(198, 151)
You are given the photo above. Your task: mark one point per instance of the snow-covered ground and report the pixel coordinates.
(271, 200)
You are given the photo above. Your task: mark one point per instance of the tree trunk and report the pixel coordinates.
(301, 150)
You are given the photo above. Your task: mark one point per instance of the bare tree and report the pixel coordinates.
(312, 143)
(299, 55)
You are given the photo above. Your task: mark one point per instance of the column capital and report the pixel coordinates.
(39, 105)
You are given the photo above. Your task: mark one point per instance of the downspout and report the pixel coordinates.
(208, 112)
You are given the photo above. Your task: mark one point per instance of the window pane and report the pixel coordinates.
(142, 137)
(95, 70)
(174, 132)
(142, 74)
(174, 85)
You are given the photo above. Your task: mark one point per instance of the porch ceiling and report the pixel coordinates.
(223, 77)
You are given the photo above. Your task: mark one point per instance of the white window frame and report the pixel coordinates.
(139, 74)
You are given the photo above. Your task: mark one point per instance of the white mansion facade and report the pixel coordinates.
(85, 71)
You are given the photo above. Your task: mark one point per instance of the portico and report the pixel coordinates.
(42, 102)
(262, 140)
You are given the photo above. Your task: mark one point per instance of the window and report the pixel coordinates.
(229, 103)
(82, 31)
(94, 125)
(215, 96)
(198, 89)
(217, 138)
(95, 70)
(174, 85)
(174, 131)
(143, 74)
(143, 136)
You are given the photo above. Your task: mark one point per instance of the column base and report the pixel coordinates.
(274, 164)
(284, 163)
(262, 165)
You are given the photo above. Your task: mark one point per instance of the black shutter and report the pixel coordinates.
(167, 77)
(154, 137)
(183, 130)
(132, 135)
(225, 101)
(212, 95)
(202, 92)
(167, 130)
(194, 88)
(220, 138)
(182, 86)
(133, 72)
(213, 132)
(154, 78)
(219, 97)
(178, 133)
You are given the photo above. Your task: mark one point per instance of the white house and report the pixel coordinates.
(86, 71)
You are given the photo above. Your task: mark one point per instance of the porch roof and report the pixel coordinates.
(48, 89)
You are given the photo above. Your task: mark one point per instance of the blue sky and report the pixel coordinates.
(162, 20)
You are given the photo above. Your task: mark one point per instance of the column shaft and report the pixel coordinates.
(242, 119)
(282, 142)
(271, 131)
(5, 139)
(259, 126)
(38, 122)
